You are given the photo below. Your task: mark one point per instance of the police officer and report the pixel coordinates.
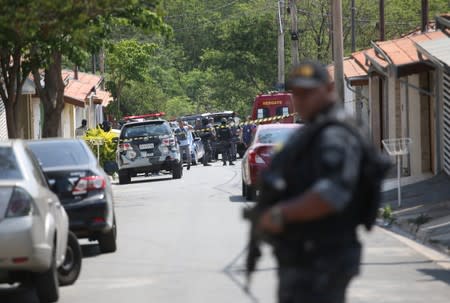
(318, 251)
(213, 140)
(247, 132)
(224, 137)
(206, 134)
(234, 137)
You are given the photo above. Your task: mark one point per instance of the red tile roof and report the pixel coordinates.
(360, 59)
(372, 55)
(403, 51)
(78, 90)
(352, 70)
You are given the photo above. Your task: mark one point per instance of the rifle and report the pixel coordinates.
(271, 187)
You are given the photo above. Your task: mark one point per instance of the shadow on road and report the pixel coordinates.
(395, 263)
(18, 295)
(90, 250)
(151, 179)
(438, 274)
(238, 199)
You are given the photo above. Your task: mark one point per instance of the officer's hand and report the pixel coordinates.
(267, 224)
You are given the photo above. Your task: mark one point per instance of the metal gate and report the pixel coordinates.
(446, 120)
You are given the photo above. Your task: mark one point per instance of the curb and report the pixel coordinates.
(439, 258)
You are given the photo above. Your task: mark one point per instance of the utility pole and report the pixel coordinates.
(425, 8)
(281, 58)
(353, 8)
(294, 31)
(338, 48)
(382, 21)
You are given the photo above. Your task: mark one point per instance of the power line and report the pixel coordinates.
(206, 10)
(305, 12)
(266, 8)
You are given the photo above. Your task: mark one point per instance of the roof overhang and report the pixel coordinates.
(74, 101)
(436, 51)
(358, 81)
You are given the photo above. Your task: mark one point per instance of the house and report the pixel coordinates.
(356, 90)
(395, 87)
(437, 53)
(83, 98)
(23, 113)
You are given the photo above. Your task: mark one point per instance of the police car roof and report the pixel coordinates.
(156, 121)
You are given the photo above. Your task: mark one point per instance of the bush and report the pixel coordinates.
(107, 149)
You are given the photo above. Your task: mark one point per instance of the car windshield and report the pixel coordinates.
(274, 135)
(8, 165)
(59, 153)
(145, 130)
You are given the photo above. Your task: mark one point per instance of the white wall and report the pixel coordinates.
(65, 122)
(36, 118)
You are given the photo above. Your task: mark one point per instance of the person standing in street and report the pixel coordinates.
(313, 195)
(234, 138)
(206, 134)
(247, 132)
(224, 137)
(213, 140)
(185, 140)
(81, 131)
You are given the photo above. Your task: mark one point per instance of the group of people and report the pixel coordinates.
(223, 139)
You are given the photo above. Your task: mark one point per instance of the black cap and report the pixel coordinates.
(308, 74)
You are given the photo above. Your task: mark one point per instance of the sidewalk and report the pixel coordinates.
(425, 209)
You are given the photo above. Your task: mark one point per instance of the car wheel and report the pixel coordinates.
(69, 271)
(107, 241)
(250, 193)
(244, 189)
(177, 171)
(46, 283)
(124, 177)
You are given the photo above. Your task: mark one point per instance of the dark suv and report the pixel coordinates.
(147, 147)
(82, 186)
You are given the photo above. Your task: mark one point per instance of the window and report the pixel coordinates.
(146, 130)
(275, 136)
(263, 113)
(9, 168)
(282, 111)
(59, 153)
(36, 169)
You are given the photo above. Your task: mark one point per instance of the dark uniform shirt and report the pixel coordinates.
(331, 168)
(317, 259)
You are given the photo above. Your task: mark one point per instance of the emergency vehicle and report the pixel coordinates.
(273, 104)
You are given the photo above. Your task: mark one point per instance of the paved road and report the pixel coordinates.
(181, 240)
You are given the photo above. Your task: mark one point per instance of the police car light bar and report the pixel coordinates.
(155, 115)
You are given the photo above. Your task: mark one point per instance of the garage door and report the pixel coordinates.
(446, 121)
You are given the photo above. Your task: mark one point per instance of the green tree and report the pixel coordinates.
(127, 60)
(179, 106)
(42, 31)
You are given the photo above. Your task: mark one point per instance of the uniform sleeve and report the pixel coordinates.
(337, 166)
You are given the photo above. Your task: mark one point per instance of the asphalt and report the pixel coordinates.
(183, 241)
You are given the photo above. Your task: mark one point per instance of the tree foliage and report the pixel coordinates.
(222, 53)
(37, 34)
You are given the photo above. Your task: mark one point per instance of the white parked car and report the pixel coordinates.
(33, 224)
